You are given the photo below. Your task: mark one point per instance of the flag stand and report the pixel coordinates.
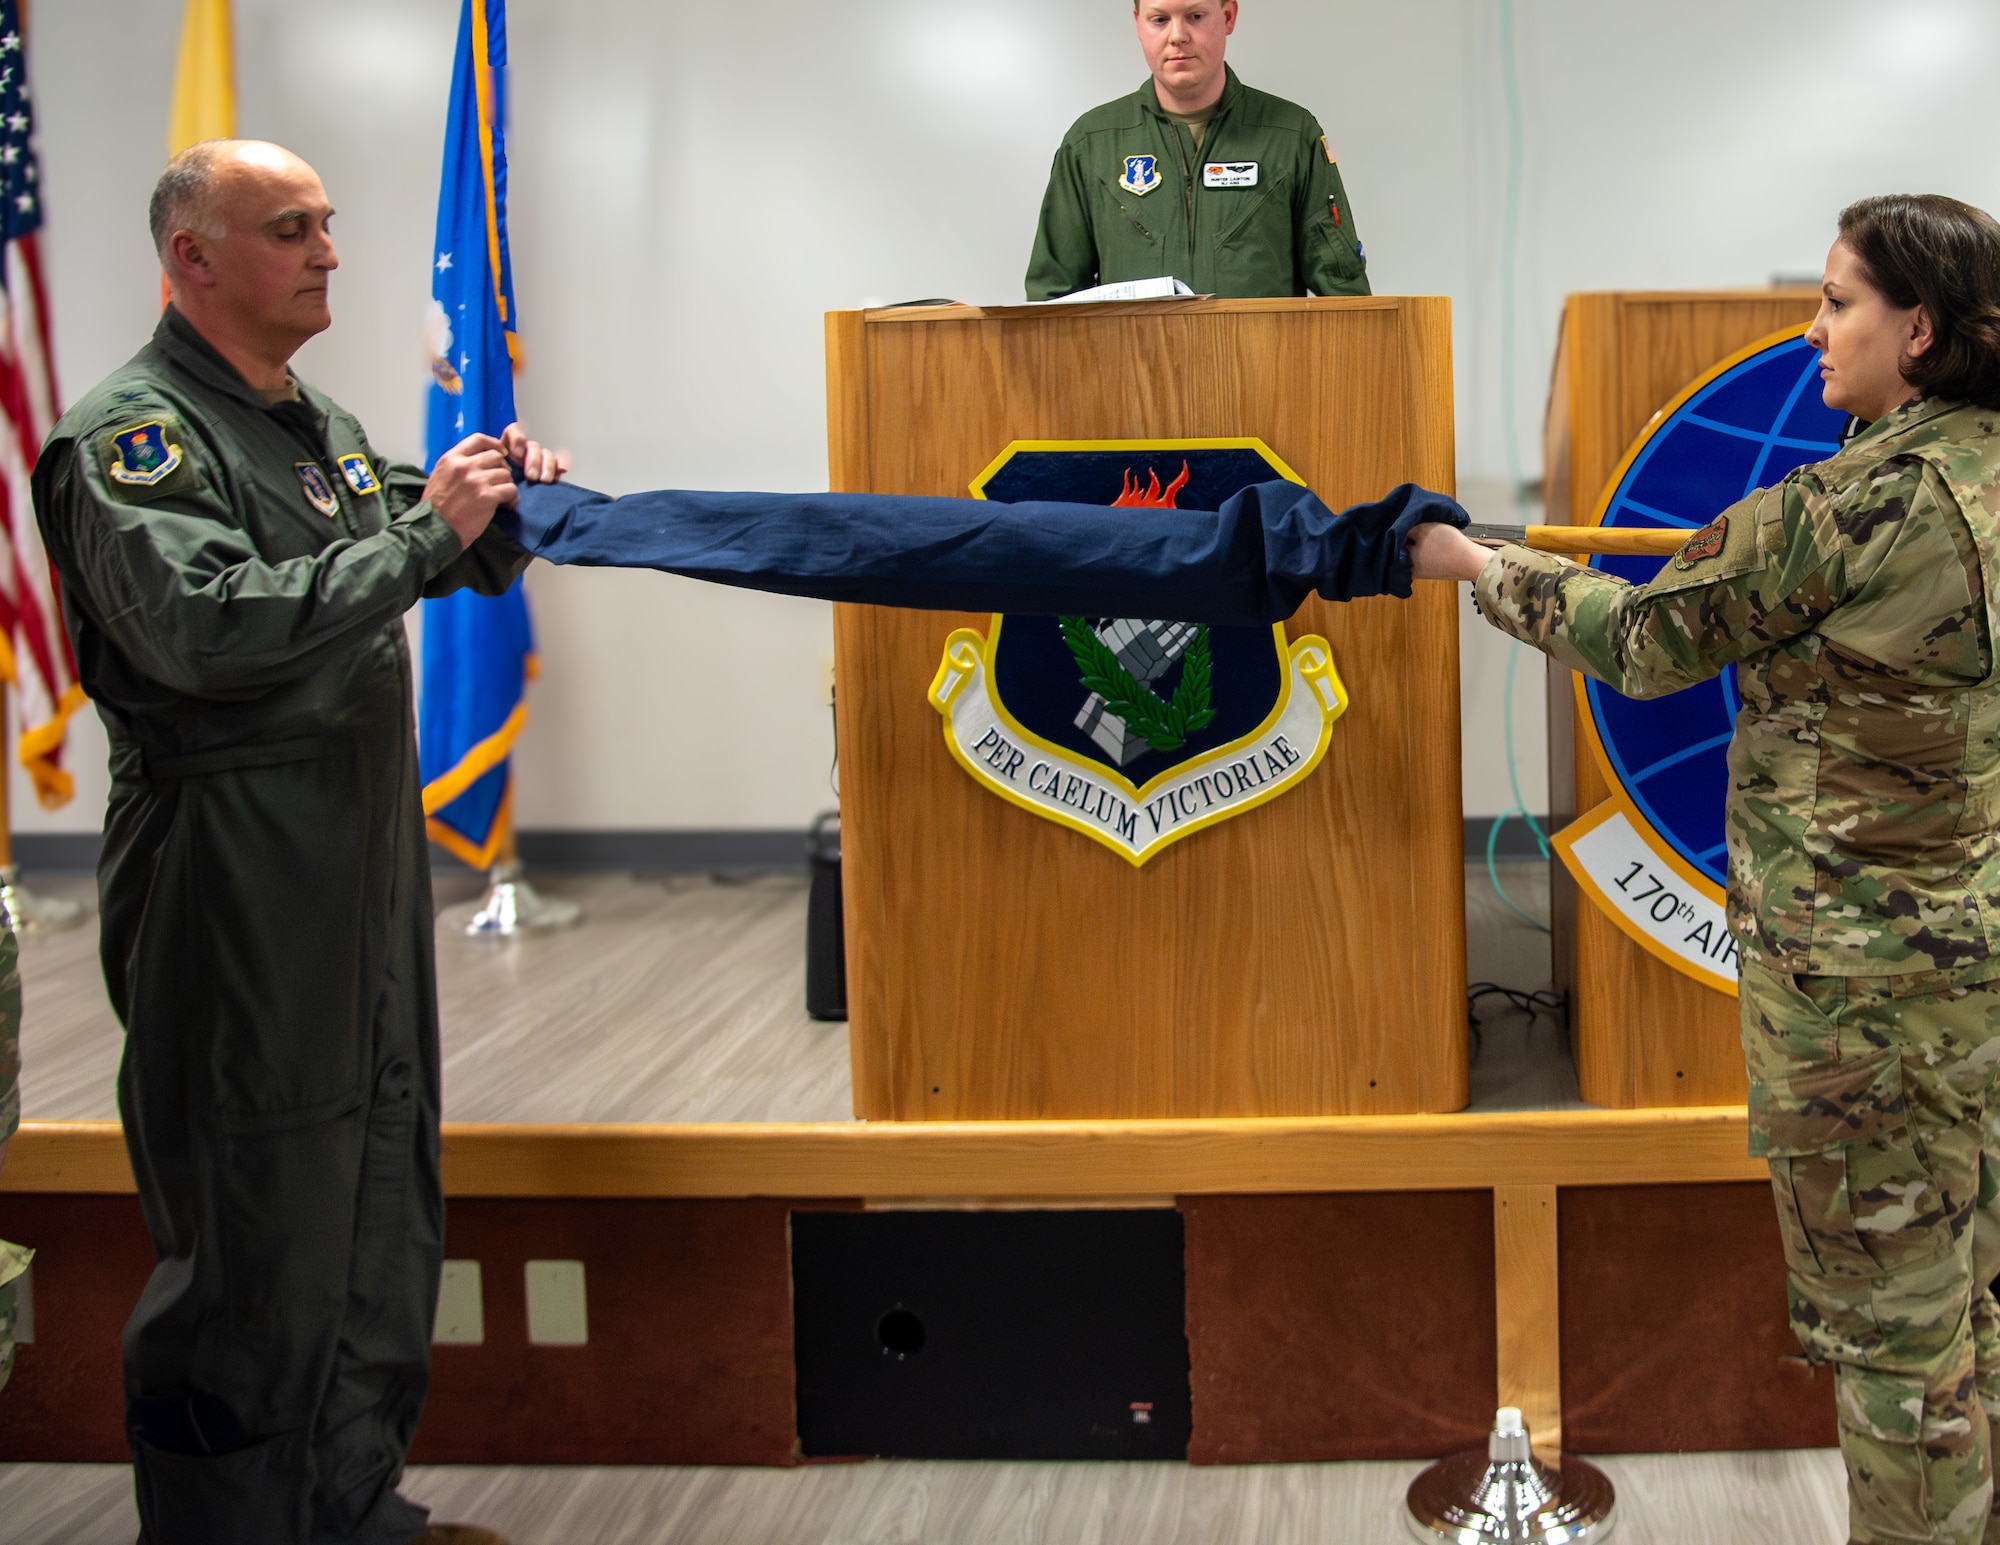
(511, 906)
(25, 911)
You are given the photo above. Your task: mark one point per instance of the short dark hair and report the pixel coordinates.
(1923, 249)
(180, 197)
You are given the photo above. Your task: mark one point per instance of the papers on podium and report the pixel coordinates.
(1162, 288)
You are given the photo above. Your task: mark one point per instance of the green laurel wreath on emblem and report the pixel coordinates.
(1162, 725)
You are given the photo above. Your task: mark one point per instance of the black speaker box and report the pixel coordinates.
(991, 1335)
(826, 923)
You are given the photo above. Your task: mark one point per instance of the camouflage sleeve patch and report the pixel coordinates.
(1756, 578)
(1739, 540)
(142, 458)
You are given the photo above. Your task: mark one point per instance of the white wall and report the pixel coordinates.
(694, 185)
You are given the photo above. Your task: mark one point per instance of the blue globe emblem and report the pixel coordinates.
(1742, 427)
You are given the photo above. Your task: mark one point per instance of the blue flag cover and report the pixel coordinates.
(478, 650)
(1251, 561)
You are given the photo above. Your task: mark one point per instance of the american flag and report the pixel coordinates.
(35, 656)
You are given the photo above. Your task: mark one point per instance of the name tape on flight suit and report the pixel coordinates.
(1229, 174)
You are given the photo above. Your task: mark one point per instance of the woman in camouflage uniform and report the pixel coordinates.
(1859, 600)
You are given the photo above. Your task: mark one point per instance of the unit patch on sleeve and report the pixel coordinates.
(319, 492)
(1229, 174)
(360, 476)
(1705, 543)
(141, 457)
(1141, 175)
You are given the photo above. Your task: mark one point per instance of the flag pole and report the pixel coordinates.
(511, 906)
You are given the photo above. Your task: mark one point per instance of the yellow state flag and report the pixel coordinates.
(205, 80)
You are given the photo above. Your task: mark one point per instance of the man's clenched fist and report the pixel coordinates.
(476, 476)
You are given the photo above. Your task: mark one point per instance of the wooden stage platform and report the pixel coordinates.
(648, 1095)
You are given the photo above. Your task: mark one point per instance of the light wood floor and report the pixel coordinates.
(679, 999)
(676, 1000)
(1782, 1498)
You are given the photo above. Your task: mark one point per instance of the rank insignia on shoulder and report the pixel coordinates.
(1141, 175)
(1327, 145)
(1229, 174)
(360, 476)
(319, 492)
(143, 456)
(1705, 543)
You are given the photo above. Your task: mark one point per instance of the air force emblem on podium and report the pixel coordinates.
(1135, 731)
(1655, 855)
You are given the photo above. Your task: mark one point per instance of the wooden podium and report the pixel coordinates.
(1644, 1034)
(1304, 958)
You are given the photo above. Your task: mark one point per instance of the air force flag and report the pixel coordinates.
(478, 650)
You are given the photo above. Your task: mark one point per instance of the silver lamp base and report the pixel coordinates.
(1506, 1496)
(512, 908)
(28, 913)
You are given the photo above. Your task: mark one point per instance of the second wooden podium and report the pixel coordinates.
(1304, 958)
(1644, 1034)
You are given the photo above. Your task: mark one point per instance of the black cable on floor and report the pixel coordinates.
(1529, 1003)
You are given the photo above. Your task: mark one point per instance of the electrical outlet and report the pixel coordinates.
(461, 1311)
(24, 1308)
(557, 1312)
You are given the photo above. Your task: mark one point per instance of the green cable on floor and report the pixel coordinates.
(1520, 807)
(1510, 238)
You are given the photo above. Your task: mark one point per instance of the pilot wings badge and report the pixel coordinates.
(1135, 731)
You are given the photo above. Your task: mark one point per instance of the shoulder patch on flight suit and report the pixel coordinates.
(1141, 174)
(360, 476)
(141, 456)
(143, 460)
(319, 492)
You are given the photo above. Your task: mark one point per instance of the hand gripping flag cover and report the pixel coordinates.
(478, 650)
(34, 652)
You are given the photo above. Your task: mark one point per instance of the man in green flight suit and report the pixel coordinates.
(1232, 191)
(236, 560)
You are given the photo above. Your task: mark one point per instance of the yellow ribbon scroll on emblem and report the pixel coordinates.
(1654, 895)
(1136, 821)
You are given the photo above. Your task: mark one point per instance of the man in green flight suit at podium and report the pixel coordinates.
(1232, 191)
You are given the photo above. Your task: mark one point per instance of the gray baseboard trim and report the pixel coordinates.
(57, 852)
(652, 852)
(1516, 841)
(549, 852)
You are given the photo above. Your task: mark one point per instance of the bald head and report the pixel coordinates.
(196, 183)
(241, 227)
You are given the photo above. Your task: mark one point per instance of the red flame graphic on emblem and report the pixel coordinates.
(1152, 497)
